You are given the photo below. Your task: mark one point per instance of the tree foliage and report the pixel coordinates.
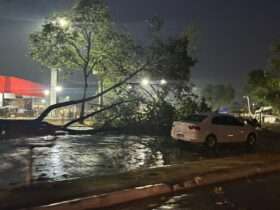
(159, 104)
(275, 59)
(218, 95)
(257, 85)
(263, 86)
(84, 39)
(75, 39)
(174, 59)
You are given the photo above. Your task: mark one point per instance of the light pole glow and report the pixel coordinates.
(58, 89)
(63, 22)
(163, 82)
(145, 82)
(46, 92)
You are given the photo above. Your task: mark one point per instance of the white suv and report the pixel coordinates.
(213, 128)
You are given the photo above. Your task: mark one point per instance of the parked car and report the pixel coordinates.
(213, 128)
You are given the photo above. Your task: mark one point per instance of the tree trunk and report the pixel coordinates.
(84, 95)
(100, 90)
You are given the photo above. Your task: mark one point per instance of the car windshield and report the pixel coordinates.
(195, 118)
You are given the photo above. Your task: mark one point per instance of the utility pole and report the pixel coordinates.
(53, 85)
(2, 99)
(249, 105)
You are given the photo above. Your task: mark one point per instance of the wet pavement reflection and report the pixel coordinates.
(81, 156)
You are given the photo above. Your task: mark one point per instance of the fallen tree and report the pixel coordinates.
(94, 113)
(69, 103)
(18, 128)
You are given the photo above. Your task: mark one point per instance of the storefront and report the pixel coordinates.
(20, 97)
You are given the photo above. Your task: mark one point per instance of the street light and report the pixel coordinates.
(163, 82)
(145, 82)
(63, 22)
(58, 89)
(46, 92)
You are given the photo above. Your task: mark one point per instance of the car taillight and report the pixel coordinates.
(193, 127)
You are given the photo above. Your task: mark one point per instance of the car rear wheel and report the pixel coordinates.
(251, 140)
(211, 142)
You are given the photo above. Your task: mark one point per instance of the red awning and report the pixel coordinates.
(20, 87)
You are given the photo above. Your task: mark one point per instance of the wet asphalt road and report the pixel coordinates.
(261, 193)
(81, 156)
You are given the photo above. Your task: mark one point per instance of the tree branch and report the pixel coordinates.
(69, 103)
(77, 51)
(94, 113)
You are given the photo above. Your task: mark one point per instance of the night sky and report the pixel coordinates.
(234, 36)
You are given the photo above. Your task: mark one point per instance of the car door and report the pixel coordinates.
(222, 128)
(237, 129)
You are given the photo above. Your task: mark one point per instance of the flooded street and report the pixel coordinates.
(102, 155)
(81, 156)
(68, 157)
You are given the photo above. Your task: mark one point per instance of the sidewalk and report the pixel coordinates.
(97, 192)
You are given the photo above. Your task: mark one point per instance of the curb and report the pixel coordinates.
(133, 194)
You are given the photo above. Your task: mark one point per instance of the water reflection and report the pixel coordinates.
(102, 155)
(81, 156)
(48, 162)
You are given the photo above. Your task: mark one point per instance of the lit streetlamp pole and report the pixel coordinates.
(64, 23)
(249, 105)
